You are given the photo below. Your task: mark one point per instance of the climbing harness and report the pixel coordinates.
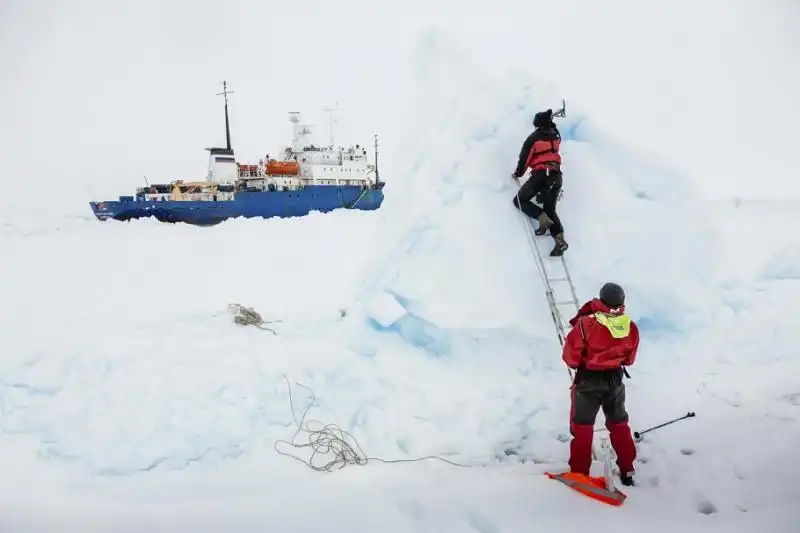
(539, 198)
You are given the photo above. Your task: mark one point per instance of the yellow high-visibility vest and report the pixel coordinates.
(618, 325)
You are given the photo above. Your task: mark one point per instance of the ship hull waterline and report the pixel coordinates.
(247, 204)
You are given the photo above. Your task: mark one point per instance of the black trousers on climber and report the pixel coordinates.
(548, 182)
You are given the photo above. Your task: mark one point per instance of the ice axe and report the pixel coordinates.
(637, 435)
(561, 112)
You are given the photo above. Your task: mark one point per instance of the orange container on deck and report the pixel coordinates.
(283, 167)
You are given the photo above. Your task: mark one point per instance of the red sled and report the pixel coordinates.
(594, 487)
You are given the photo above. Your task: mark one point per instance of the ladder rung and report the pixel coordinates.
(565, 302)
(559, 279)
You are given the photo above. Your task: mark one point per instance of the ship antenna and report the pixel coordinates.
(377, 176)
(331, 119)
(225, 92)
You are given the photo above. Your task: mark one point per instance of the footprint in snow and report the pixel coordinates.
(480, 523)
(793, 399)
(704, 506)
(412, 508)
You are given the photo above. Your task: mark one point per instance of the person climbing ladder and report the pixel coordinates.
(540, 153)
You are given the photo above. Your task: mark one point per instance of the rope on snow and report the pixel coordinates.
(247, 316)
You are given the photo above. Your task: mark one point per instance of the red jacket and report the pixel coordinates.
(590, 341)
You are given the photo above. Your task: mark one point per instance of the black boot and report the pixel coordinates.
(627, 479)
(560, 247)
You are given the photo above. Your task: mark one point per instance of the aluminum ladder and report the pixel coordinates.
(557, 275)
(554, 273)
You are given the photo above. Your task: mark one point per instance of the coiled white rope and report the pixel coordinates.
(333, 444)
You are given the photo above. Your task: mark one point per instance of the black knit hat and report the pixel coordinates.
(543, 118)
(612, 295)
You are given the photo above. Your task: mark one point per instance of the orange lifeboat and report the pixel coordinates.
(291, 168)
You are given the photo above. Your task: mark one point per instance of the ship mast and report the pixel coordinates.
(377, 176)
(331, 119)
(225, 92)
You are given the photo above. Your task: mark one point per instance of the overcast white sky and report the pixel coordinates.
(95, 94)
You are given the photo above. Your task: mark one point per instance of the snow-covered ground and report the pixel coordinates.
(129, 400)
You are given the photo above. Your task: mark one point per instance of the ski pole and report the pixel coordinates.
(638, 434)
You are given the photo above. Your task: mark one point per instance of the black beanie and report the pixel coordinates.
(543, 118)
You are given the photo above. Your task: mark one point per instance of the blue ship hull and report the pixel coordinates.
(248, 204)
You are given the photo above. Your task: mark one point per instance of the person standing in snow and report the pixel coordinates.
(602, 342)
(540, 153)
